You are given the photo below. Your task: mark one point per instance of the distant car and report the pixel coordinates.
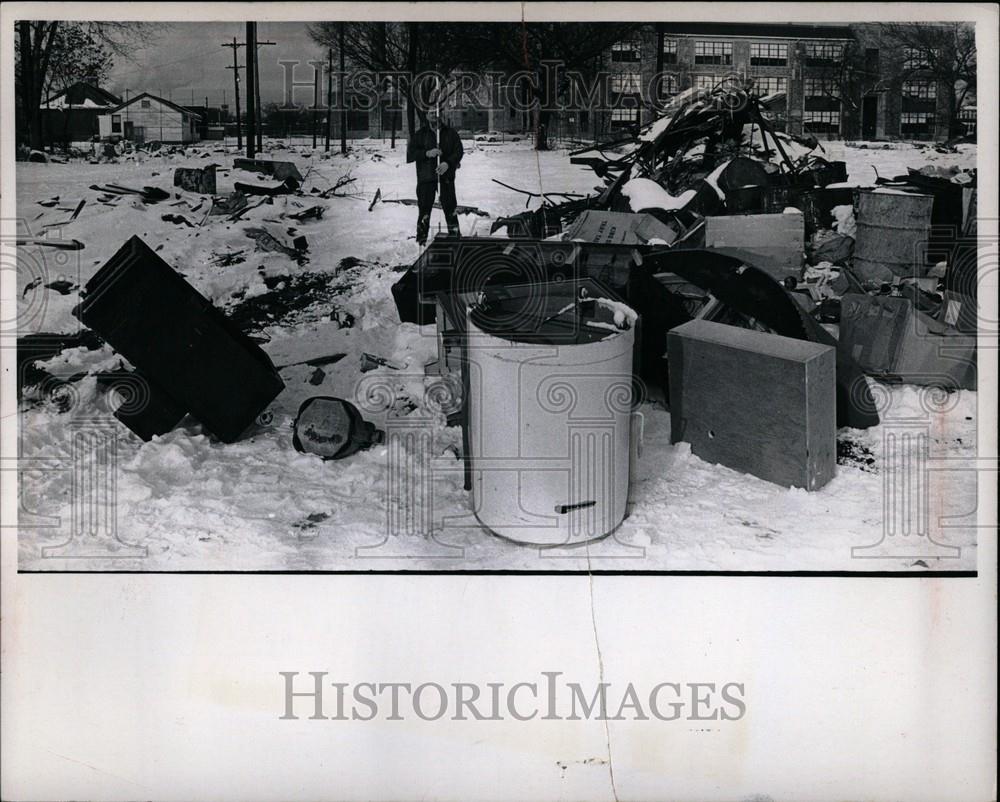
(497, 136)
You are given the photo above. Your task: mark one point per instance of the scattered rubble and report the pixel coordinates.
(279, 171)
(193, 179)
(286, 187)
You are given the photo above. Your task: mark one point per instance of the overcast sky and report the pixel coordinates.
(187, 60)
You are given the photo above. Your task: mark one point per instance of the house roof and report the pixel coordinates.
(164, 101)
(79, 93)
(783, 30)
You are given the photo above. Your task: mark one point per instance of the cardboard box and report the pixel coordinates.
(894, 341)
(772, 242)
(619, 228)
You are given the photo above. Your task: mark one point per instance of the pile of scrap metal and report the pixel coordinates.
(708, 214)
(712, 152)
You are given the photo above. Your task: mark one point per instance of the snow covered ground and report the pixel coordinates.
(187, 502)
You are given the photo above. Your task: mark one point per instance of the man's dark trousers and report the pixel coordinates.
(426, 190)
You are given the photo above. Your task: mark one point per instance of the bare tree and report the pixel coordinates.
(45, 51)
(411, 48)
(548, 50)
(944, 52)
(399, 52)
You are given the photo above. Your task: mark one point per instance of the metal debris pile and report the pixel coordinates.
(711, 216)
(712, 151)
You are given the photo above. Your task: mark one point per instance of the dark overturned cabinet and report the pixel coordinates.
(191, 358)
(755, 402)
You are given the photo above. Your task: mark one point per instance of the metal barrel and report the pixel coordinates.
(893, 229)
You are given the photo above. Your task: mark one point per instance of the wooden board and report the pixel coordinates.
(772, 242)
(755, 402)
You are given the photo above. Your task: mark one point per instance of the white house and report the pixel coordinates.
(148, 118)
(73, 114)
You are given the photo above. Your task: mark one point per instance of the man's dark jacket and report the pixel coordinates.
(424, 140)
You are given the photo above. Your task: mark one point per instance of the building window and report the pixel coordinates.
(820, 87)
(769, 84)
(713, 53)
(627, 51)
(624, 116)
(145, 104)
(821, 122)
(667, 86)
(821, 53)
(821, 95)
(967, 117)
(919, 101)
(669, 51)
(914, 59)
(919, 125)
(704, 81)
(871, 60)
(920, 90)
(116, 123)
(626, 83)
(768, 54)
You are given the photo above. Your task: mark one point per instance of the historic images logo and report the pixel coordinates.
(546, 698)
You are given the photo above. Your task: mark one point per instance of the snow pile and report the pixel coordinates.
(845, 223)
(644, 193)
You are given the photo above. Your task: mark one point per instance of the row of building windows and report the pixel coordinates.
(629, 83)
(762, 54)
(713, 52)
(823, 52)
(769, 55)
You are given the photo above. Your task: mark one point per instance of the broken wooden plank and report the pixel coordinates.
(244, 209)
(312, 213)
(58, 244)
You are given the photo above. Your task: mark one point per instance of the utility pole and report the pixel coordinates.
(236, 85)
(329, 96)
(315, 114)
(256, 83)
(251, 45)
(343, 101)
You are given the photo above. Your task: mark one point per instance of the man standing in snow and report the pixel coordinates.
(437, 149)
